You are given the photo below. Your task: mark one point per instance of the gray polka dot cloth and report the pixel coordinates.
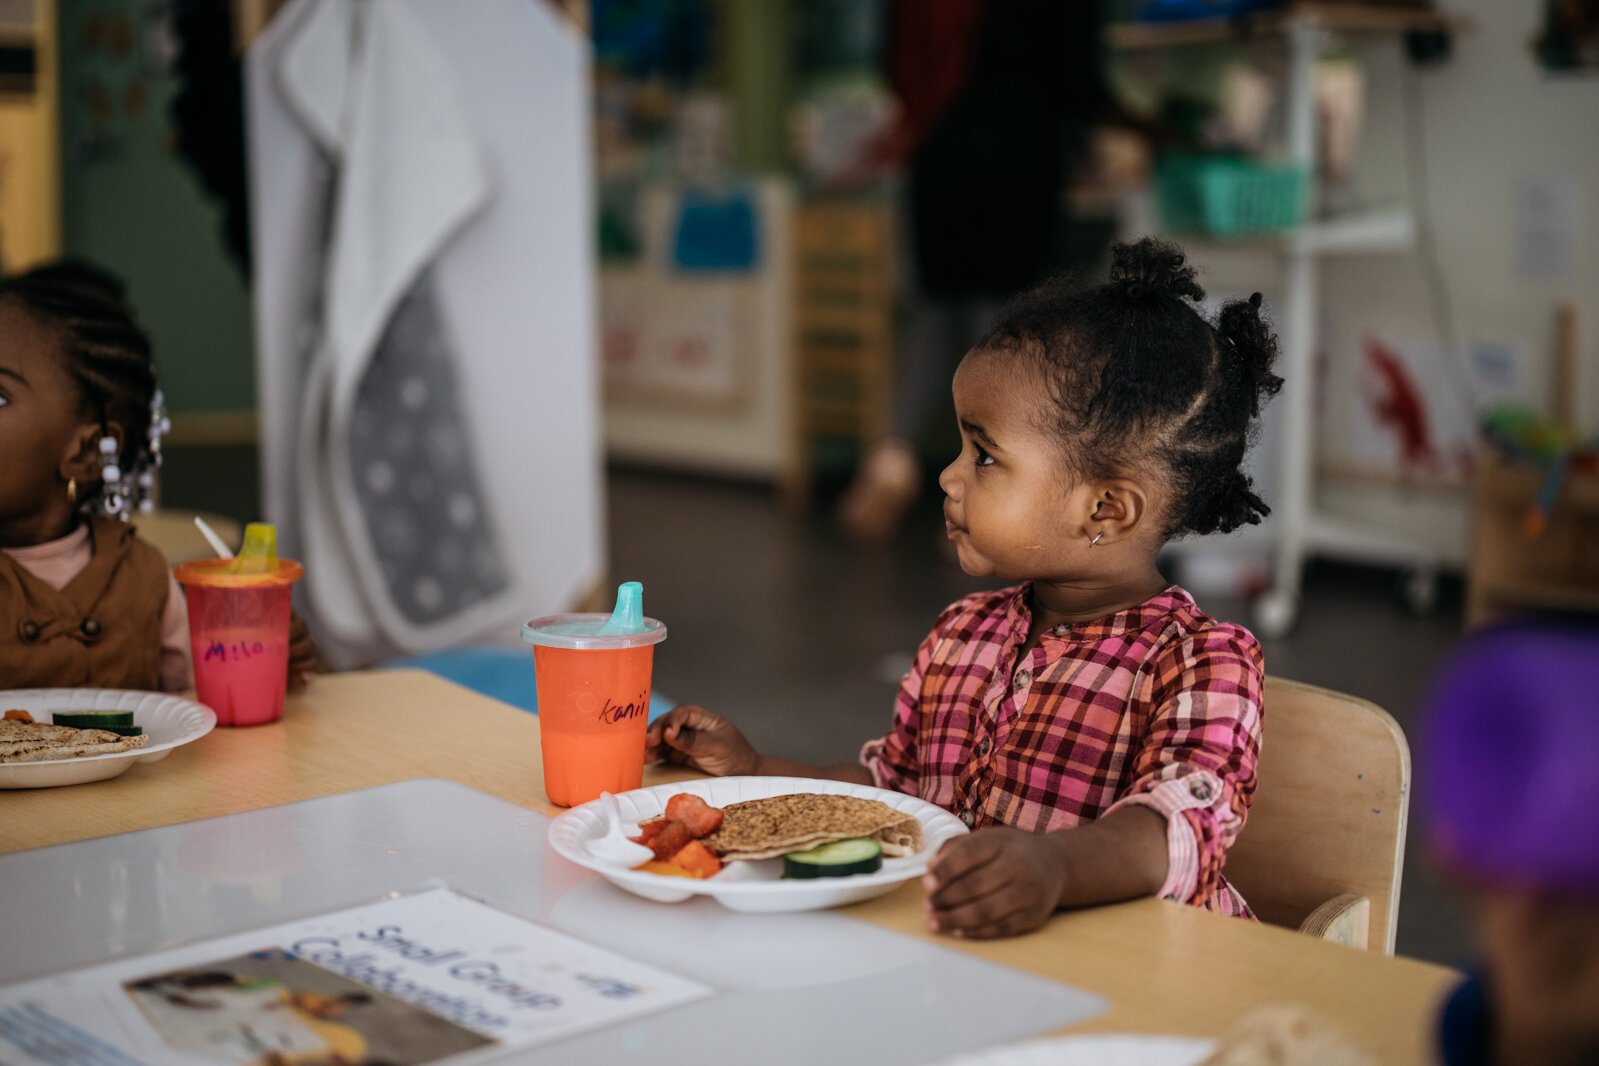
(415, 478)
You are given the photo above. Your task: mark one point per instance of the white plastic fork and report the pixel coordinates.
(614, 847)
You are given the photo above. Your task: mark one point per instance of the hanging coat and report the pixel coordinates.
(425, 339)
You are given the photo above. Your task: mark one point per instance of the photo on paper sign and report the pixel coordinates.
(272, 1008)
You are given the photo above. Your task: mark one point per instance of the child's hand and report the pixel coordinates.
(692, 736)
(302, 654)
(995, 882)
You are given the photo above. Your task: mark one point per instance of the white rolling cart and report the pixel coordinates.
(1297, 529)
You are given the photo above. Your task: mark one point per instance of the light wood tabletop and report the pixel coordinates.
(1164, 967)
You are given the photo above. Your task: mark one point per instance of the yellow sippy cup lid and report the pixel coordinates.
(259, 553)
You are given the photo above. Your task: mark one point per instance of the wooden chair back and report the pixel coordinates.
(1328, 818)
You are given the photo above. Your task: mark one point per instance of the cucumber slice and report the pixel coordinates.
(125, 730)
(93, 719)
(837, 858)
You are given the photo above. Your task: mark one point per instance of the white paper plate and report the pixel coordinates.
(1110, 1049)
(169, 722)
(751, 886)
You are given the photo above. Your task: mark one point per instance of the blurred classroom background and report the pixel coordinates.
(720, 256)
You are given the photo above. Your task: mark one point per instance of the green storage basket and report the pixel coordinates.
(1229, 197)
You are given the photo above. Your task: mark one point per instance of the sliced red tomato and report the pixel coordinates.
(699, 817)
(670, 840)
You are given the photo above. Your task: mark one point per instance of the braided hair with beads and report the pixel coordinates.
(1140, 379)
(109, 362)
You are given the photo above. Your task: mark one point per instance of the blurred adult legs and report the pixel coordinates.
(937, 333)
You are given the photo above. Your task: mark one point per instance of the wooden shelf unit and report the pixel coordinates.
(30, 167)
(1298, 529)
(1512, 573)
(843, 328)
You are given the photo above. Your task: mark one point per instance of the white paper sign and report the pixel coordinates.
(1549, 223)
(434, 977)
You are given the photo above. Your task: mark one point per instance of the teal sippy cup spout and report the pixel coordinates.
(628, 617)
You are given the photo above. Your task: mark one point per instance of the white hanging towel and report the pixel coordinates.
(375, 426)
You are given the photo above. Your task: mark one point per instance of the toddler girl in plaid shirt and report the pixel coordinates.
(1097, 731)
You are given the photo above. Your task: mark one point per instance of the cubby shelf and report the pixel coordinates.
(1513, 572)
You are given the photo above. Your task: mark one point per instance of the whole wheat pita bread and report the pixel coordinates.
(777, 825)
(39, 742)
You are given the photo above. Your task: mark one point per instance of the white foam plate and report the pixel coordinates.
(169, 721)
(751, 886)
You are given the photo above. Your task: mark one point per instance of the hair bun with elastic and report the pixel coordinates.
(1152, 268)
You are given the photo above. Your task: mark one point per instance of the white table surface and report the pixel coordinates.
(792, 988)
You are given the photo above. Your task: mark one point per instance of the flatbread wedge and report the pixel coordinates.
(39, 742)
(777, 825)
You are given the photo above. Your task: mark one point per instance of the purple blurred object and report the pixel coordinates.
(1509, 779)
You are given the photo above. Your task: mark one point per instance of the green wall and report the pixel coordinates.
(755, 43)
(129, 203)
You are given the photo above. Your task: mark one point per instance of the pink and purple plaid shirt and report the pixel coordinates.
(1159, 705)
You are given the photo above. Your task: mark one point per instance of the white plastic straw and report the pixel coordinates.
(215, 541)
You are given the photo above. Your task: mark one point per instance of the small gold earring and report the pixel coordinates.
(72, 490)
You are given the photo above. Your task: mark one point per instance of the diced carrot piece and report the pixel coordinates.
(666, 869)
(698, 858)
(699, 817)
(19, 716)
